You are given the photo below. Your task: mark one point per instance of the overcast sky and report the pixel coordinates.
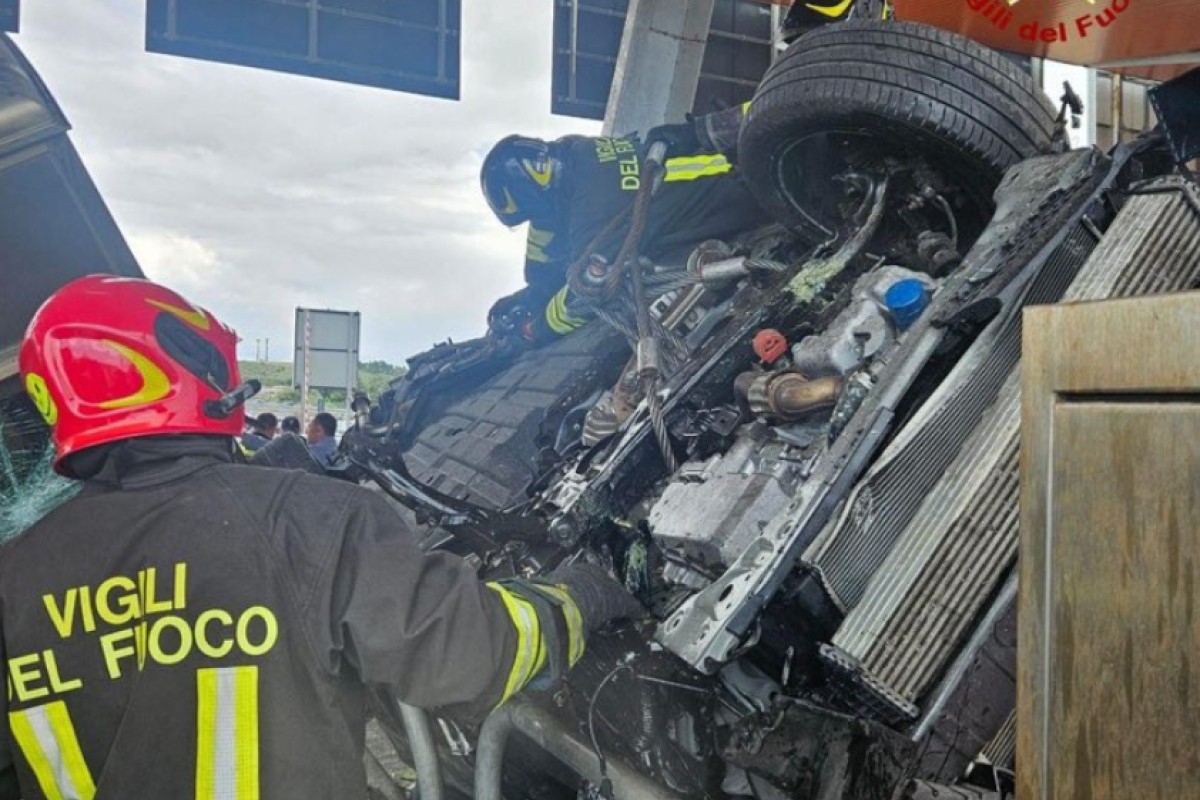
(253, 192)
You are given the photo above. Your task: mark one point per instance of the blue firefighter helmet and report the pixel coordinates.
(519, 177)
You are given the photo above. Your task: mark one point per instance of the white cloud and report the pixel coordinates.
(184, 263)
(255, 192)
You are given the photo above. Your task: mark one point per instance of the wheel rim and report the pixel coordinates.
(795, 179)
(805, 167)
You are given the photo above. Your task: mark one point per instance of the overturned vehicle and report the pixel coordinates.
(815, 486)
(812, 484)
(54, 227)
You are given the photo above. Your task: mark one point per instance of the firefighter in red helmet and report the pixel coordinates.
(165, 639)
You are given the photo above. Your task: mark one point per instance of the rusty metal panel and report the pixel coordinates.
(1088, 32)
(1110, 502)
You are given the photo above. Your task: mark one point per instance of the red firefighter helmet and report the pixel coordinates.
(109, 358)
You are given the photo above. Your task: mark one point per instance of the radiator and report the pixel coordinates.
(908, 619)
(850, 551)
(1002, 749)
(920, 790)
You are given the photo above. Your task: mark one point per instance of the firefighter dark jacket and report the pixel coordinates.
(187, 627)
(701, 198)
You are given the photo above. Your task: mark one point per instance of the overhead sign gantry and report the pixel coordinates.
(411, 46)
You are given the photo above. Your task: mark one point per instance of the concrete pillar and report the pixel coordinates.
(1118, 107)
(659, 64)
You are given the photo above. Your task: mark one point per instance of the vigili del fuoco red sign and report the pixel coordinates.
(1090, 32)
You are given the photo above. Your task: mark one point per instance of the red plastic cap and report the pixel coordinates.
(109, 358)
(770, 345)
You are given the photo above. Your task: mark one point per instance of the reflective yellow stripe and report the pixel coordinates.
(510, 205)
(22, 731)
(536, 243)
(227, 734)
(746, 107)
(691, 168)
(206, 725)
(155, 383)
(246, 731)
(68, 743)
(541, 174)
(832, 11)
(529, 656)
(559, 318)
(47, 738)
(553, 316)
(191, 315)
(575, 635)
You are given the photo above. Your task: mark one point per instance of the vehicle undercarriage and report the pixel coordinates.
(811, 483)
(811, 487)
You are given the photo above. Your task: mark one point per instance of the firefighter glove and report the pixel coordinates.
(600, 598)
(680, 139)
(510, 316)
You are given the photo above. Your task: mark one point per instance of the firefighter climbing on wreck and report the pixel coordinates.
(165, 639)
(576, 194)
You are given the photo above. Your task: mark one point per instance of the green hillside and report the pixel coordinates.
(276, 378)
(269, 373)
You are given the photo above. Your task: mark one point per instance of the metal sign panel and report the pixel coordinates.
(409, 46)
(587, 39)
(10, 15)
(330, 339)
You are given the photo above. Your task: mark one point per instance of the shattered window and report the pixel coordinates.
(29, 488)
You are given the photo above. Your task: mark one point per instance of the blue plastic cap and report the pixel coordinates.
(906, 301)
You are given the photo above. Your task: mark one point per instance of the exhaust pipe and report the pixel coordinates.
(786, 396)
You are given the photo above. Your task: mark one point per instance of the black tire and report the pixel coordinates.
(920, 90)
(485, 447)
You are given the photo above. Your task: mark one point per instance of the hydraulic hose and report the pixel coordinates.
(424, 751)
(564, 745)
(648, 361)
